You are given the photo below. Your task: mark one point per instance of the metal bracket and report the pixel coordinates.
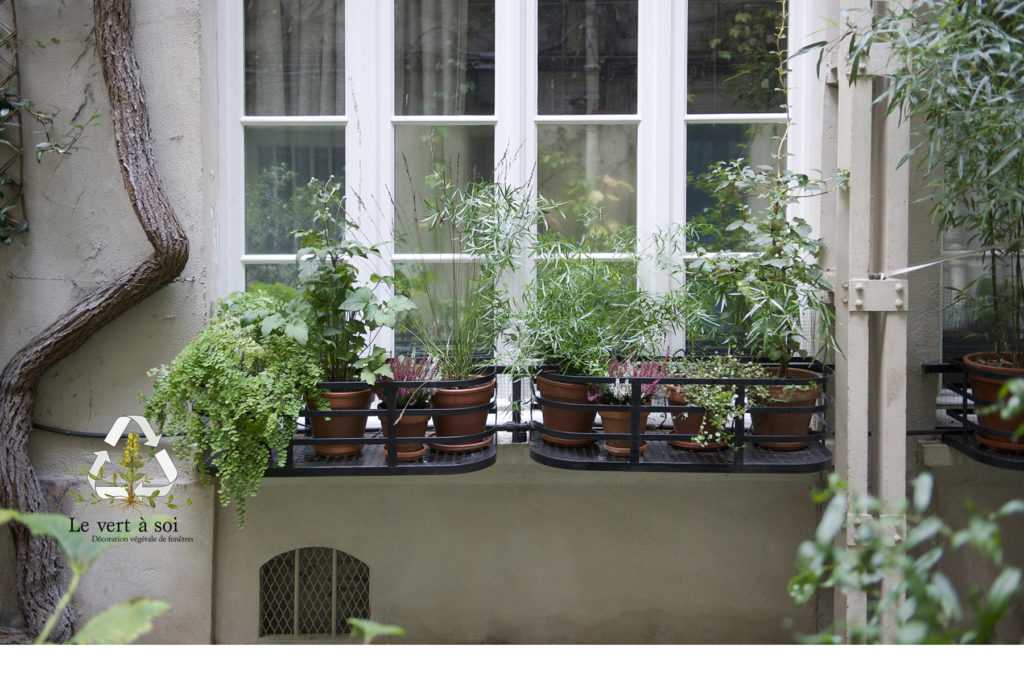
(853, 524)
(894, 527)
(866, 296)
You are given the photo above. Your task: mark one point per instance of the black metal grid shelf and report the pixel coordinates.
(964, 439)
(662, 457)
(373, 461)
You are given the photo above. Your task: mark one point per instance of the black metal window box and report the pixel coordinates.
(379, 453)
(964, 437)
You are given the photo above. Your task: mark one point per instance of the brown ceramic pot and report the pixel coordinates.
(689, 423)
(618, 421)
(463, 424)
(563, 419)
(785, 424)
(985, 389)
(342, 426)
(407, 425)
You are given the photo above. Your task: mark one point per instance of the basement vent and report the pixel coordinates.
(312, 592)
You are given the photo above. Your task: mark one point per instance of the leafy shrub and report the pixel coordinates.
(235, 392)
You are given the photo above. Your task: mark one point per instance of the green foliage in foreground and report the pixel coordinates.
(236, 391)
(368, 631)
(922, 600)
(122, 623)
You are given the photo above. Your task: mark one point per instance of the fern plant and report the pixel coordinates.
(234, 393)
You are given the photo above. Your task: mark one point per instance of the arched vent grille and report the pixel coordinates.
(312, 592)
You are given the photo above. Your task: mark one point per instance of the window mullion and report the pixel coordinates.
(230, 215)
(515, 106)
(369, 136)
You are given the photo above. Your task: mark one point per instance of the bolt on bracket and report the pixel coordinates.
(868, 296)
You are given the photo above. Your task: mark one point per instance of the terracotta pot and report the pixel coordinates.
(689, 423)
(342, 426)
(407, 425)
(618, 421)
(463, 424)
(986, 392)
(782, 424)
(564, 419)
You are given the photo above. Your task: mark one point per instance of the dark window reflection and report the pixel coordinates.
(295, 57)
(587, 56)
(733, 56)
(444, 57)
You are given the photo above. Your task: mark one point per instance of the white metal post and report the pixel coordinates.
(853, 235)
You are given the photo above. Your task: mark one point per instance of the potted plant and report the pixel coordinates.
(462, 314)
(409, 369)
(580, 311)
(957, 74)
(233, 395)
(712, 426)
(619, 393)
(756, 302)
(344, 316)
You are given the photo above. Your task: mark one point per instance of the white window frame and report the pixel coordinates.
(369, 121)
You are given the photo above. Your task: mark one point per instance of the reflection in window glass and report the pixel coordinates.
(278, 165)
(968, 319)
(732, 56)
(424, 155)
(295, 57)
(280, 279)
(707, 145)
(436, 288)
(587, 57)
(591, 171)
(444, 57)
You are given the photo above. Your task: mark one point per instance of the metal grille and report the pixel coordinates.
(312, 592)
(316, 571)
(352, 591)
(277, 595)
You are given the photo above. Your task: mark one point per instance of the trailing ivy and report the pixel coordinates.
(235, 391)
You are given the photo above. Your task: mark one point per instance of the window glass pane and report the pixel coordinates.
(275, 278)
(424, 156)
(968, 319)
(279, 163)
(591, 169)
(444, 57)
(437, 289)
(587, 56)
(295, 57)
(732, 56)
(707, 145)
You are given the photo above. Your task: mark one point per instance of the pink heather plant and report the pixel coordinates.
(413, 369)
(620, 390)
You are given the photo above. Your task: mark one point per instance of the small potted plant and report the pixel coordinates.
(487, 222)
(757, 302)
(712, 426)
(580, 311)
(619, 393)
(344, 316)
(409, 369)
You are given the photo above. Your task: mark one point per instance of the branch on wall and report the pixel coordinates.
(40, 566)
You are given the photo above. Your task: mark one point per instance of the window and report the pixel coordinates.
(612, 106)
(312, 592)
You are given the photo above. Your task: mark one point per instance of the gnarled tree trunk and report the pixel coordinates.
(40, 565)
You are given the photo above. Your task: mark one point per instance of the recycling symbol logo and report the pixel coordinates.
(152, 439)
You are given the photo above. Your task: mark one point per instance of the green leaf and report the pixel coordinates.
(357, 300)
(78, 547)
(298, 331)
(121, 624)
(1004, 589)
(924, 531)
(1013, 507)
(271, 323)
(922, 491)
(369, 630)
(832, 520)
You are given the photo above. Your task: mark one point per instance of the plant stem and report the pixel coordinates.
(62, 605)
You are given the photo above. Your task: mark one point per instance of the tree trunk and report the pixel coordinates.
(40, 565)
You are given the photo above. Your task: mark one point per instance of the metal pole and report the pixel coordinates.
(853, 235)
